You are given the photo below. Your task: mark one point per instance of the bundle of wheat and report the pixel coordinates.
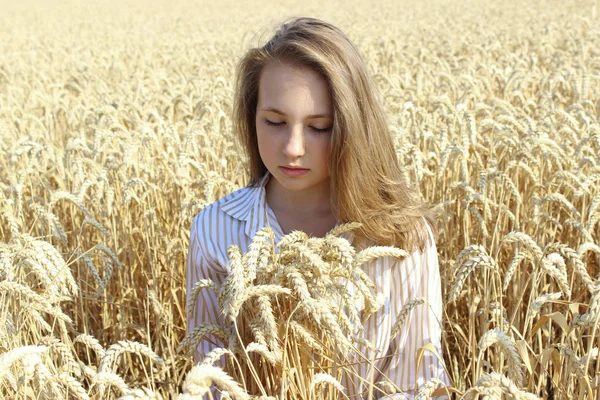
(293, 315)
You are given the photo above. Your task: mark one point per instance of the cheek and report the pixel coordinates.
(260, 136)
(265, 145)
(324, 149)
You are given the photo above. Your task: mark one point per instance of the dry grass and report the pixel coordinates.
(115, 131)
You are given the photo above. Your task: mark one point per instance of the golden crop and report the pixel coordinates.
(115, 131)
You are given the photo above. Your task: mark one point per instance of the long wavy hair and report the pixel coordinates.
(365, 177)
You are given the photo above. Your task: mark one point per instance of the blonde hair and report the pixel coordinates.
(365, 177)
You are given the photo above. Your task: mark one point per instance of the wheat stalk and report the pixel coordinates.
(112, 354)
(507, 345)
(9, 358)
(199, 380)
(325, 379)
(494, 384)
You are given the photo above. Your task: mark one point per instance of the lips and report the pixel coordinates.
(293, 171)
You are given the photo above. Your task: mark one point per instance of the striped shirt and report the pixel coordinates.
(235, 219)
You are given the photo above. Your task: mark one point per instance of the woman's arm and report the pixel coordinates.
(422, 327)
(206, 309)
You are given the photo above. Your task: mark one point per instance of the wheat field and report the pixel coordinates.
(115, 120)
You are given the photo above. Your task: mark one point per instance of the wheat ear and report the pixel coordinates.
(200, 379)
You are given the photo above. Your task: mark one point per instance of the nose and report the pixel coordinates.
(294, 146)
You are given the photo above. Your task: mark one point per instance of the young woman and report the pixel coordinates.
(320, 153)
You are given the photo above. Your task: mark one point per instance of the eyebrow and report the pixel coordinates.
(277, 111)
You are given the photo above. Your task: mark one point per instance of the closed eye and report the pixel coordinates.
(272, 123)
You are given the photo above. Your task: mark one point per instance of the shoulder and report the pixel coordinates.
(430, 235)
(221, 213)
(422, 259)
(421, 236)
(416, 258)
(427, 236)
(425, 260)
(219, 225)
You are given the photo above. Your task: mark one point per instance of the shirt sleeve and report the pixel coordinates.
(423, 326)
(206, 309)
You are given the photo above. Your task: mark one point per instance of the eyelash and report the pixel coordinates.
(271, 123)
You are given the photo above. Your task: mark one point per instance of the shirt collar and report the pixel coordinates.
(249, 206)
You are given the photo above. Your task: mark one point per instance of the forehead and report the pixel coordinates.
(292, 88)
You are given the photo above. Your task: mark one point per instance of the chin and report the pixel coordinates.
(293, 185)
(296, 184)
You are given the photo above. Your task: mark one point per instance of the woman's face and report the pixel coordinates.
(294, 118)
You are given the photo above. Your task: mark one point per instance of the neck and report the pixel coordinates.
(314, 201)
